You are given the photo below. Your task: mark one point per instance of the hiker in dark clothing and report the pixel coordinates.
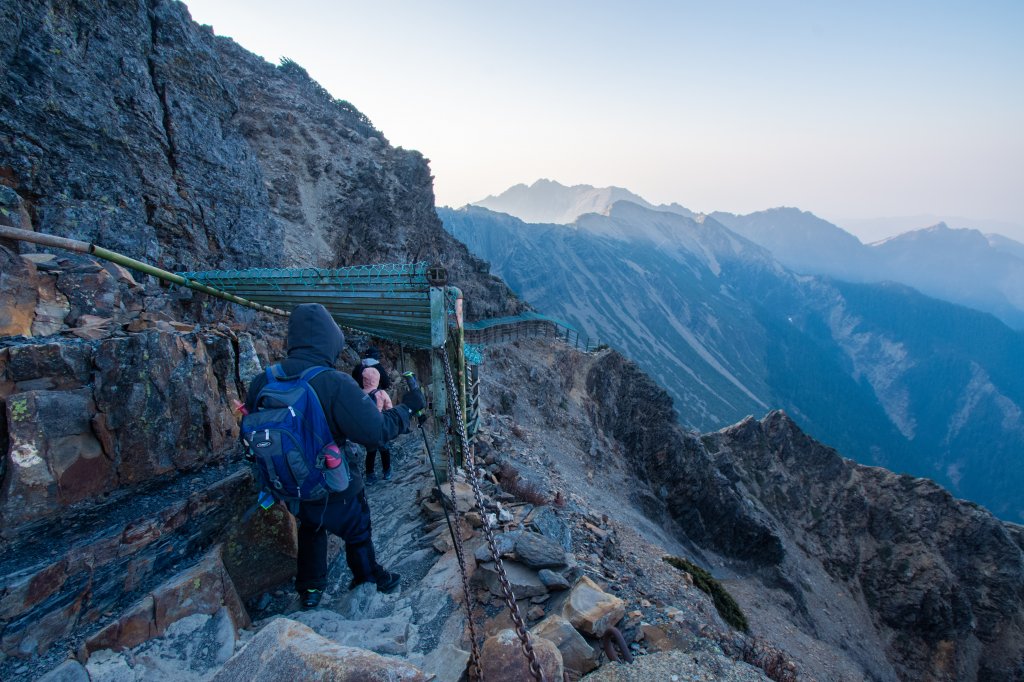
(371, 387)
(372, 375)
(372, 359)
(314, 339)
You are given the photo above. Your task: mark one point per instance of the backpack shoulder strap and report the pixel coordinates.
(275, 372)
(305, 378)
(312, 372)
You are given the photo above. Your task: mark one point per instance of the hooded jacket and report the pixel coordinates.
(371, 387)
(314, 339)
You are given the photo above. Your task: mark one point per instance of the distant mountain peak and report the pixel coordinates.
(787, 210)
(548, 183)
(549, 201)
(625, 207)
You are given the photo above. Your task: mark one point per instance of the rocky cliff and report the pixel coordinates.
(126, 124)
(124, 543)
(857, 557)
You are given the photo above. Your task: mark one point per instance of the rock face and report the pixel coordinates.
(129, 125)
(123, 132)
(287, 650)
(577, 655)
(63, 579)
(206, 588)
(938, 582)
(117, 469)
(944, 580)
(592, 610)
(110, 415)
(502, 658)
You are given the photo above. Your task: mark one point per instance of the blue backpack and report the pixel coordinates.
(288, 440)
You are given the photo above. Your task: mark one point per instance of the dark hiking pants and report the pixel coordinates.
(385, 460)
(349, 519)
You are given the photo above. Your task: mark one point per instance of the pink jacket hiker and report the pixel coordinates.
(371, 380)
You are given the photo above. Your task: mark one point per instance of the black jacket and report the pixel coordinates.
(314, 339)
(385, 379)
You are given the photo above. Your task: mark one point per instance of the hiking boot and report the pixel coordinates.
(311, 598)
(388, 581)
(387, 475)
(370, 478)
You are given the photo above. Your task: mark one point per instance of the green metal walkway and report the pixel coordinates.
(390, 301)
(528, 324)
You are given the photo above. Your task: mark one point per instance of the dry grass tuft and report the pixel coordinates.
(523, 490)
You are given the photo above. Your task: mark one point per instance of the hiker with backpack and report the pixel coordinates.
(302, 417)
(371, 387)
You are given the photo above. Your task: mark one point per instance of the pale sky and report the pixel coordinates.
(846, 109)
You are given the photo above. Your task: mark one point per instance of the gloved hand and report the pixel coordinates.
(414, 400)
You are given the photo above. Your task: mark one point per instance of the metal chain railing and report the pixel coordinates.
(506, 587)
(457, 543)
(457, 539)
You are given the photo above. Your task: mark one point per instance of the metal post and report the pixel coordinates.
(439, 395)
(458, 342)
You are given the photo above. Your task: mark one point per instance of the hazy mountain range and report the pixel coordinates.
(983, 271)
(966, 266)
(881, 372)
(875, 229)
(547, 201)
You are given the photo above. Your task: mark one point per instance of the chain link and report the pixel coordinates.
(457, 539)
(506, 587)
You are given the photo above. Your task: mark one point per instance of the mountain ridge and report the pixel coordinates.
(989, 276)
(730, 332)
(823, 542)
(548, 201)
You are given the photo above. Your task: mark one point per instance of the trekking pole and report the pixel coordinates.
(413, 384)
(265, 501)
